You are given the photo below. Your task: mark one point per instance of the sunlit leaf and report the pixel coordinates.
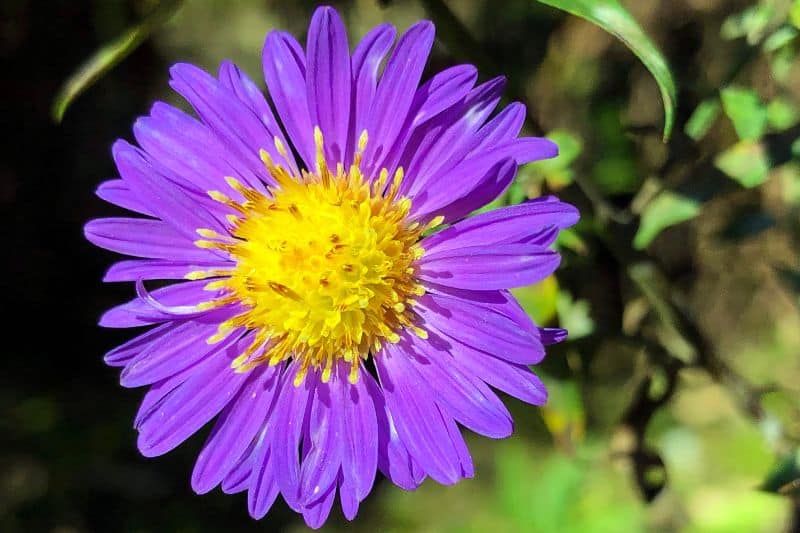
(794, 14)
(702, 119)
(746, 111)
(782, 114)
(780, 38)
(746, 162)
(539, 300)
(574, 316)
(615, 19)
(564, 414)
(571, 240)
(665, 210)
(108, 56)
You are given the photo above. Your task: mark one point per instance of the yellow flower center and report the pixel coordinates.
(324, 265)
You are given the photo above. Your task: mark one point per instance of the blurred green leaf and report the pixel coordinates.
(564, 414)
(750, 23)
(746, 111)
(539, 299)
(780, 38)
(108, 56)
(615, 19)
(571, 240)
(746, 162)
(782, 114)
(665, 210)
(574, 316)
(794, 14)
(702, 118)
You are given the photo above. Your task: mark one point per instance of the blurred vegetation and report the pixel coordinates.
(675, 404)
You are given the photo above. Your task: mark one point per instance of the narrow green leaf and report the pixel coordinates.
(702, 119)
(746, 162)
(746, 110)
(665, 210)
(108, 56)
(612, 17)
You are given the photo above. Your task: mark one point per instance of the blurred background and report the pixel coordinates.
(675, 405)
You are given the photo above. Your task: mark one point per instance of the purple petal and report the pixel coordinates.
(416, 416)
(504, 127)
(124, 353)
(191, 405)
(552, 335)
(245, 89)
(500, 266)
(263, 484)
(365, 64)
(465, 189)
(445, 140)
(142, 237)
(235, 428)
(512, 378)
(396, 91)
(328, 81)
(174, 350)
(464, 458)
(139, 313)
(238, 479)
(360, 449)
(482, 327)
(239, 130)
(489, 187)
(316, 514)
(393, 459)
(196, 157)
(321, 466)
(147, 269)
(118, 193)
(436, 95)
(285, 73)
(503, 225)
(458, 392)
(290, 420)
(169, 203)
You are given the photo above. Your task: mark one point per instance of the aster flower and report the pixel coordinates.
(319, 319)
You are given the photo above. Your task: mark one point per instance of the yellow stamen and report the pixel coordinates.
(325, 265)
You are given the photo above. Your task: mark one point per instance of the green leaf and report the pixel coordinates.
(746, 162)
(702, 119)
(794, 14)
(746, 110)
(665, 210)
(108, 56)
(612, 17)
(574, 316)
(780, 38)
(782, 114)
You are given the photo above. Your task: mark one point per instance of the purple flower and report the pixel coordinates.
(318, 320)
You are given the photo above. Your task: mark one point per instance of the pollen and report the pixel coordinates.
(325, 265)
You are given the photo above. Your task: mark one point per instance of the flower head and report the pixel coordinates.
(323, 317)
